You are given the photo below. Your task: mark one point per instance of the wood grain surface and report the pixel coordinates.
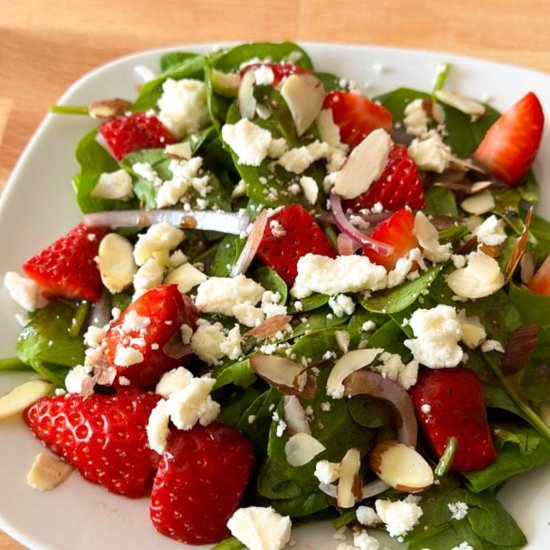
(46, 44)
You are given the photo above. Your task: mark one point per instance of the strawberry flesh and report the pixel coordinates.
(67, 268)
(296, 235)
(398, 186)
(397, 231)
(511, 143)
(356, 116)
(449, 402)
(102, 436)
(160, 313)
(200, 481)
(129, 133)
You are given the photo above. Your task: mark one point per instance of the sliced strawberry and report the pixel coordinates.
(128, 133)
(449, 402)
(200, 481)
(356, 116)
(540, 282)
(397, 230)
(511, 143)
(289, 234)
(280, 70)
(102, 436)
(67, 268)
(151, 327)
(398, 186)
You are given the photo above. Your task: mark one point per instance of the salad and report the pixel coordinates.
(287, 302)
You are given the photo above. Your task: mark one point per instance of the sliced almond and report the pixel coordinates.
(479, 186)
(527, 267)
(226, 84)
(47, 472)
(364, 165)
(116, 262)
(463, 104)
(21, 397)
(186, 276)
(302, 448)
(329, 132)
(343, 339)
(480, 278)
(349, 474)
(310, 188)
(180, 151)
(473, 332)
(401, 467)
(295, 416)
(479, 204)
(279, 371)
(348, 363)
(246, 100)
(304, 95)
(108, 108)
(270, 327)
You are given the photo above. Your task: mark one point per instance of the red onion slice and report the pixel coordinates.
(374, 384)
(346, 245)
(206, 220)
(295, 416)
(251, 246)
(351, 231)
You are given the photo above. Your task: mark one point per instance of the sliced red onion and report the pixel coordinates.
(245, 99)
(206, 220)
(295, 416)
(346, 245)
(353, 232)
(374, 384)
(251, 246)
(374, 488)
(328, 489)
(100, 314)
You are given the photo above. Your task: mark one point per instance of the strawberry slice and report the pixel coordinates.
(356, 116)
(540, 282)
(102, 436)
(280, 70)
(128, 133)
(398, 186)
(201, 478)
(67, 268)
(148, 332)
(397, 231)
(289, 234)
(511, 143)
(449, 402)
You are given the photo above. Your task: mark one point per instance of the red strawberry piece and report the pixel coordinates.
(398, 186)
(128, 133)
(200, 481)
(540, 282)
(449, 402)
(511, 143)
(67, 268)
(280, 70)
(356, 116)
(103, 436)
(397, 230)
(151, 326)
(289, 234)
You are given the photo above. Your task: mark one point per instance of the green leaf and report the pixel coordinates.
(446, 460)
(310, 303)
(453, 234)
(314, 346)
(169, 60)
(370, 412)
(321, 318)
(227, 253)
(236, 403)
(230, 543)
(440, 201)
(397, 100)
(12, 363)
(45, 338)
(273, 484)
(303, 505)
(534, 308)
(272, 281)
(240, 373)
(79, 319)
(442, 75)
(394, 300)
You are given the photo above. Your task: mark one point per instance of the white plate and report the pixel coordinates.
(38, 206)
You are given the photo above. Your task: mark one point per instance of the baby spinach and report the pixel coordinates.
(272, 281)
(230, 543)
(440, 201)
(227, 252)
(534, 308)
(240, 373)
(397, 101)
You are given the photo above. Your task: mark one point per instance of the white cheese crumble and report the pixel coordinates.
(182, 105)
(249, 141)
(463, 546)
(148, 276)
(79, 380)
(147, 172)
(276, 228)
(157, 242)
(24, 291)
(392, 367)
(437, 331)
(428, 239)
(492, 345)
(186, 277)
(185, 176)
(341, 305)
(327, 472)
(260, 528)
(459, 510)
(206, 342)
(491, 231)
(114, 185)
(126, 356)
(400, 516)
(367, 516)
(430, 153)
(416, 120)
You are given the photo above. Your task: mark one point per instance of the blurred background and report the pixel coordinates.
(46, 44)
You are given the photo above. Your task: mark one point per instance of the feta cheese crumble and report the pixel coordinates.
(400, 516)
(459, 510)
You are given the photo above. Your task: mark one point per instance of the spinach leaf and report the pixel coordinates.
(394, 300)
(303, 505)
(46, 337)
(235, 403)
(397, 100)
(172, 59)
(310, 303)
(94, 160)
(453, 234)
(370, 412)
(230, 543)
(240, 373)
(440, 201)
(317, 347)
(535, 377)
(227, 253)
(534, 308)
(320, 319)
(13, 364)
(232, 60)
(389, 337)
(272, 281)
(272, 483)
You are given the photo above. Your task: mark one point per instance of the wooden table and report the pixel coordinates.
(46, 44)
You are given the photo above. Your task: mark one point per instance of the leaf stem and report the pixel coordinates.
(446, 460)
(13, 363)
(69, 110)
(443, 73)
(530, 414)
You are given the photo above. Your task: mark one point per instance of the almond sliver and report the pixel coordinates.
(21, 397)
